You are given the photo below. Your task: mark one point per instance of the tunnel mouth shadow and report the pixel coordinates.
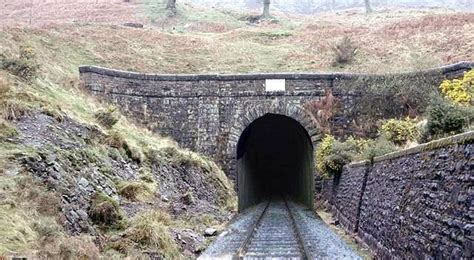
(274, 159)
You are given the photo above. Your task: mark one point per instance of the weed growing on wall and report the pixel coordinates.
(323, 110)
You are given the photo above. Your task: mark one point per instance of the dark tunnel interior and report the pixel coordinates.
(274, 159)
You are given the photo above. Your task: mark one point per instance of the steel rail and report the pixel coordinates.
(306, 253)
(243, 247)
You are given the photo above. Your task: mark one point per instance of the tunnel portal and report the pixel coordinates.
(274, 159)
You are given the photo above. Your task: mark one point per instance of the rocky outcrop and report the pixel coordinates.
(69, 161)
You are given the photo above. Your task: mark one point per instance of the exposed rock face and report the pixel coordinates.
(414, 204)
(67, 165)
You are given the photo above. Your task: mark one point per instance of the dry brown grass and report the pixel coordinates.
(45, 12)
(136, 190)
(388, 41)
(106, 212)
(149, 230)
(4, 87)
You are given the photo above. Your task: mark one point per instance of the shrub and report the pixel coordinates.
(188, 198)
(377, 147)
(24, 66)
(359, 144)
(114, 153)
(324, 149)
(400, 131)
(134, 153)
(344, 51)
(393, 96)
(446, 118)
(341, 154)
(106, 212)
(55, 113)
(135, 191)
(332, 155)
(459, 91)
(108, 118)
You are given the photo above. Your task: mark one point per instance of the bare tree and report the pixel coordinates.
(368, 9)
(266, 9)
(171, 5)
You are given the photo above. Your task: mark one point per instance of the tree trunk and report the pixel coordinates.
(266, 9)
(368, 9)
(171, 5)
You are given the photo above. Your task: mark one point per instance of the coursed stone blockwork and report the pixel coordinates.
(414, 204)
(207, 113)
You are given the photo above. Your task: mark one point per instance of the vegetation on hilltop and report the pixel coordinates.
(207, 40)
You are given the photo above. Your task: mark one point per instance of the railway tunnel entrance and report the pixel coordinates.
(274, 159)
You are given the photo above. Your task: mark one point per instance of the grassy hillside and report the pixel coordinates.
(58, 36)
(202, 39)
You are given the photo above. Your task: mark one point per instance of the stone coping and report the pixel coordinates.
(262, 76)
(436, 144)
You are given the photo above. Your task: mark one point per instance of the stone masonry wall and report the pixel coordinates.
(349, 190)
(415, 204)
(207, 113)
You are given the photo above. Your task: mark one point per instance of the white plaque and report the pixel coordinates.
(275, 85)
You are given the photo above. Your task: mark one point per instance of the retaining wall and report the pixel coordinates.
(417, 203)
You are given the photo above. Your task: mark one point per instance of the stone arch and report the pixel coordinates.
(296, 112)
(252, 114)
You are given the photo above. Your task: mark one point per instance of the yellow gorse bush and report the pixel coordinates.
(324, 149)
(459, 91)
(400, 131)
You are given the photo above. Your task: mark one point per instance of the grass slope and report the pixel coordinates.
(204, 39)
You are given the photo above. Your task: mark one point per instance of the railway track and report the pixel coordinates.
(274, 235)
